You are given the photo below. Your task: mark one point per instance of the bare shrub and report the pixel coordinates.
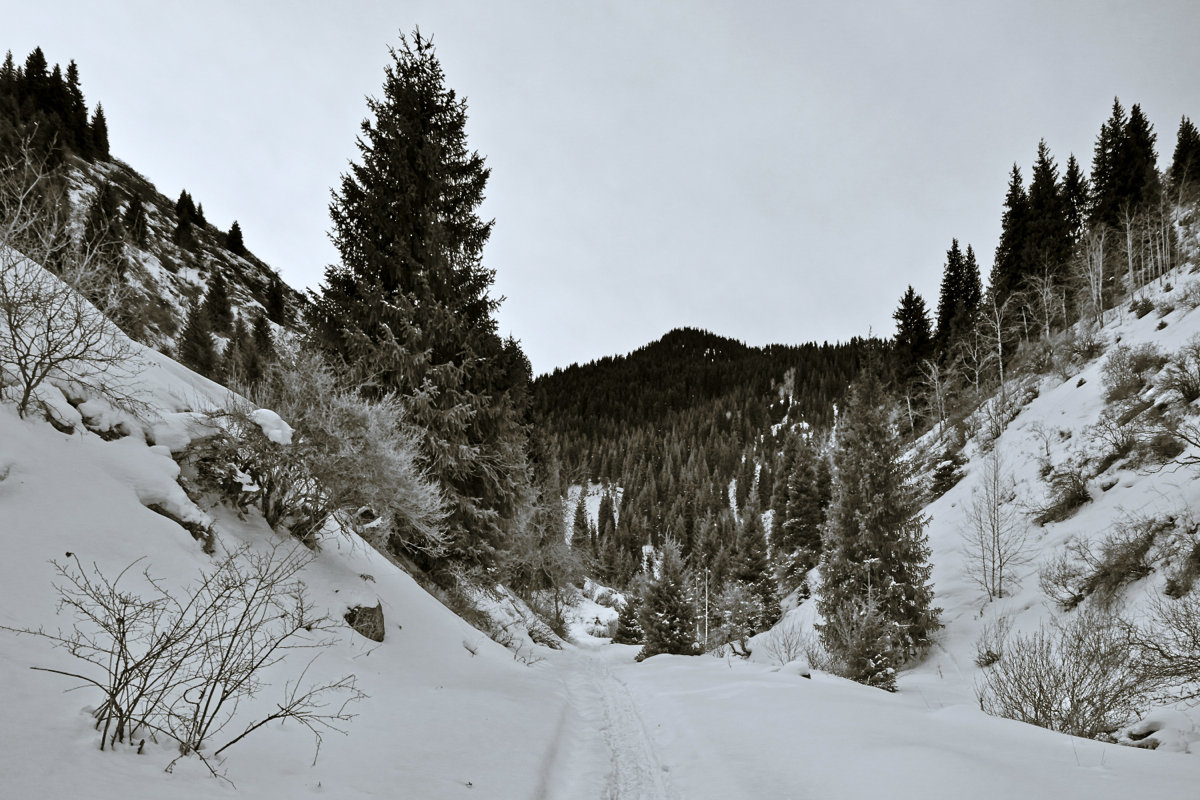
(1067, 491)
(179, 666)
(1182, 372)
(1063, 579)
(1126, 368)
(1101, 570)
(1087, 344)
(1076, 677)
(1168, 644)
(1189, 295)
(785, 643)
(989, 647)
(995, 533)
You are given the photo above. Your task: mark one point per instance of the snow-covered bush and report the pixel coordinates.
(1076, 677)
(351, 460)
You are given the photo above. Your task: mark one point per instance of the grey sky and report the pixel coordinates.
(770, 171)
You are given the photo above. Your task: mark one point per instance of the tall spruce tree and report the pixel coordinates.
(233, 240)
(1185, 161)
(876, 564)
(752, 568)
(136, 226)
(914, 336)
(1008, 269)
(1047, 245)
(408, 308)
(1075, 199)
(797, 539)
(99, 133)
(195, 348)
(959, 297)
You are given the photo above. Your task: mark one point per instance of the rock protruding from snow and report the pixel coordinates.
(367, 621)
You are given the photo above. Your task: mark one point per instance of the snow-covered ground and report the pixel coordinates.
(451, 714)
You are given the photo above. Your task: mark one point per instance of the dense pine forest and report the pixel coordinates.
(668, 430)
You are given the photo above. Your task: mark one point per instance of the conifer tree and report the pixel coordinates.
(233, 240)
(195, 348)
(274, 303)
(1047, 233)
(959, 296)
(1008, 269)
(1141, 184)
(752, 568)
(876, 558)
(216, 305)
(629, 629)
(77, 117)
(1075, 199)
(239, 355)
(99, 133)
(798, 542)
(666, 616)
(408, 307)
(264, 340)
(579, 525)
(914, 336)
(134, 219)
(104, 233)
(1185, 161)
(606, 524)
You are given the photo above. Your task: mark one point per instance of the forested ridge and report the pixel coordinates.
(676, 423)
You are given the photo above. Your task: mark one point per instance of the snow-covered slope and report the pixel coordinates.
(451, 714)
(441, 695)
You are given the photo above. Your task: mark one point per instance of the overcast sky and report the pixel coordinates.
(771, 171)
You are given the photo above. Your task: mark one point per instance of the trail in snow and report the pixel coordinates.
(608, 753)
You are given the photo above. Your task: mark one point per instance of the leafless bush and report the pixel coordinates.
(1077, 678)
(1102, 569)
(1067, 491)
(1126, 368)
(1063, 579)
(1189, 295)
(1118, 431)
(1168, 645)
(179, 666)
(1182, 372)
(786, 642)
(989, 647)
(995, 532)
(1087, 344)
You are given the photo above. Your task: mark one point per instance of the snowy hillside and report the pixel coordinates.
(447, 712)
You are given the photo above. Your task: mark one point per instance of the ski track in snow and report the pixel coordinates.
(603, 703)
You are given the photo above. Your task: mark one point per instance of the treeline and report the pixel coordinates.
(46, 106)
(1072, 247)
